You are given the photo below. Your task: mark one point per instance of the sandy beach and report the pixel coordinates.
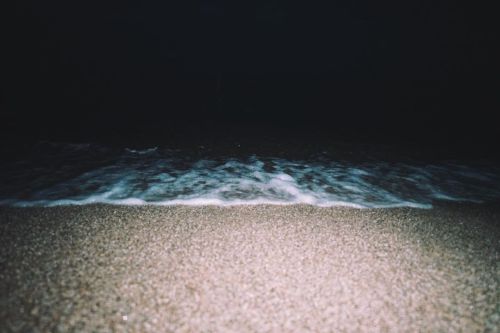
(249, 269)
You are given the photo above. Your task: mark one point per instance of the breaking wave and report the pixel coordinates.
(86, 174)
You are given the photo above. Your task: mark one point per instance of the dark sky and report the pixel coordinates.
(173, 69)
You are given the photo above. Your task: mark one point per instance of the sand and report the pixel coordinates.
(249, 269)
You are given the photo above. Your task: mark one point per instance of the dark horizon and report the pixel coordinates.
(361, 72)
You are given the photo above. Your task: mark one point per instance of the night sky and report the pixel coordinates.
(420, 71)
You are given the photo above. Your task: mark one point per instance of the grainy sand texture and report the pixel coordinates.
(249, 269)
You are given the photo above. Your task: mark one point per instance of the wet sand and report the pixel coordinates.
(250, 269)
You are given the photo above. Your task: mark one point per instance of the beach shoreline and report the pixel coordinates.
(250, 268)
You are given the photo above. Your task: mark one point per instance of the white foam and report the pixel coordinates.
(168, 178)
(142, 151)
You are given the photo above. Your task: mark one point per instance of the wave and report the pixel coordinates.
(155, 176)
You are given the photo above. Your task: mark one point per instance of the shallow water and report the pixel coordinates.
(62, 174)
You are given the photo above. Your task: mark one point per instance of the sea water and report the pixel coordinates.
(77, 174)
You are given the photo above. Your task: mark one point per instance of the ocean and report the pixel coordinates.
(55, 173)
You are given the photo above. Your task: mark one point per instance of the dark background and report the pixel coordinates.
(421, 72)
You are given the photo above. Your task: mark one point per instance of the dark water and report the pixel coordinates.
(51, 173)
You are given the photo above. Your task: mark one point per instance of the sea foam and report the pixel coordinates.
(166, 177)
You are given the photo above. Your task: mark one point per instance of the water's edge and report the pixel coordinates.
(80, 174)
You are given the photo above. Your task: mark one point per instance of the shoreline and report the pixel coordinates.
(250, 268)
